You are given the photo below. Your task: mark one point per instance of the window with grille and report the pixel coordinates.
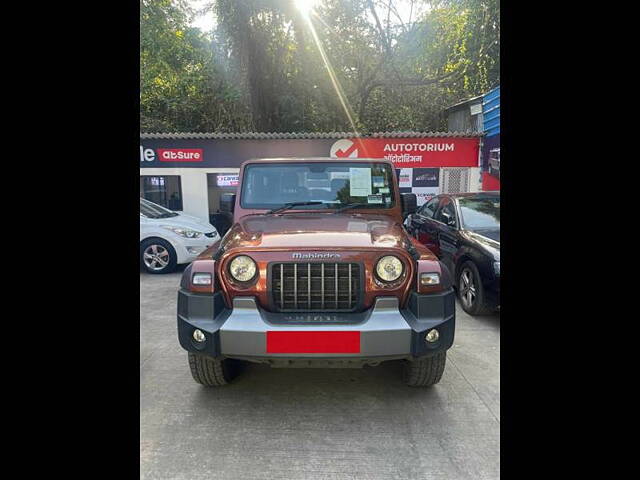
(455, 180)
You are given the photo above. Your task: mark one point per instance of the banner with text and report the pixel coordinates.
(412, 152)
(424, 152)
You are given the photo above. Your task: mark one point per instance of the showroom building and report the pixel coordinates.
(189, 172)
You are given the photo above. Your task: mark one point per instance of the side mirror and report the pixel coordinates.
(448, 219)
(227, 203)
(409, 203)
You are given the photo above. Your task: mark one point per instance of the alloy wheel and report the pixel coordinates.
(468, 292)
(156, 257)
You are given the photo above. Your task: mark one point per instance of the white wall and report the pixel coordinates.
(474, 179)
(195, 194)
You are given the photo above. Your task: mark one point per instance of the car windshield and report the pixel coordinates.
(153, 210)
(333, 184)
(479, 213)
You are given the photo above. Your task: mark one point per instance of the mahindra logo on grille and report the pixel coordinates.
(315, 256)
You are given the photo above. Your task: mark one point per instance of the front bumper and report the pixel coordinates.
(248, 332)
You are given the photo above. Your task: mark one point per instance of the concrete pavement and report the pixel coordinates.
(315, 423)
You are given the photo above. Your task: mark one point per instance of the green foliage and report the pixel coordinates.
(181, 86)
(261, 69)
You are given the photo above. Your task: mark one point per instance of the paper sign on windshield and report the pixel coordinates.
(360, 182)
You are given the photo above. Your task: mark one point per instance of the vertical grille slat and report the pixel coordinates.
(322, 289)
(349, 282)
(295, 285)
(336, 276)
(317, 286)
(309, 284)
(281, 284)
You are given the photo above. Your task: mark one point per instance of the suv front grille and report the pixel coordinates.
(318, 287)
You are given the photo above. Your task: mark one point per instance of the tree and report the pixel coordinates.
(181, 87)
(353, 64)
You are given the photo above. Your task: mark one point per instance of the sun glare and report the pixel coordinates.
(306, 9)
(305, 6)
(334, 80)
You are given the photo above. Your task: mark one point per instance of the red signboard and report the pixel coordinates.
(180, 154)
(412, 152)
(489, 182)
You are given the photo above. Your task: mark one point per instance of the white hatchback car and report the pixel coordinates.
(169, 238)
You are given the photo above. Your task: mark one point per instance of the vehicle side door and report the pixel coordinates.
(423, 227)
(447, 225)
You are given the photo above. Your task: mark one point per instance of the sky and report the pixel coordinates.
(206, 22)
(203, 22)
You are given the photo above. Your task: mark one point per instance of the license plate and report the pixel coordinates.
(313, 342)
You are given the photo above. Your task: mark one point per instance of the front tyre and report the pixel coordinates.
(424, 371)
(158, 256)
(211, 372)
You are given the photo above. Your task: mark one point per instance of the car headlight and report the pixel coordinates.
(389, 268)
(183, 232)
(496, 268)
(242, 268)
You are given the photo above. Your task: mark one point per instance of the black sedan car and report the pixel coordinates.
(463, 230)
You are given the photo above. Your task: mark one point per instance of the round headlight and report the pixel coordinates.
(242, 268)
(389, 268)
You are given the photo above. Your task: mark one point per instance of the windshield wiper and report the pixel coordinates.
(287, 206)
(347, 206)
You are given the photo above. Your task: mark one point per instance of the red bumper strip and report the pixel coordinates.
(313, 342)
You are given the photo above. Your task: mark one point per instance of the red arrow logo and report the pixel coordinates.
(345, 153)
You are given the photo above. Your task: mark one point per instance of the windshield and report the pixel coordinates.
(269, 186)
(153, 210)
(480, 213)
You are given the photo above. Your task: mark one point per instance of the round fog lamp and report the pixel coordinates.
(432, 336)
(199, 337)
